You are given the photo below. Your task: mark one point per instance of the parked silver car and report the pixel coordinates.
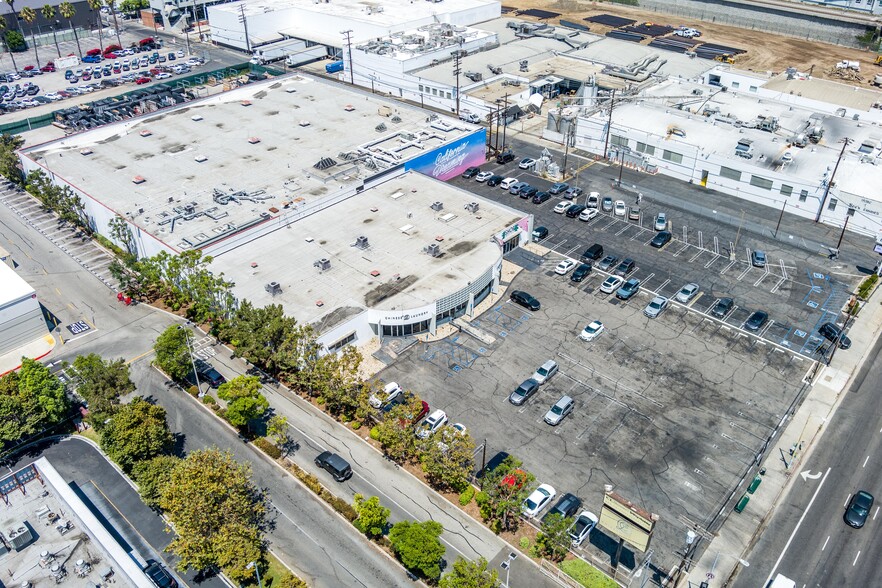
(561, 408)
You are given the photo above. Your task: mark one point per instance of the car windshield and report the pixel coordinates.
(580, 525)
(542, 371)
(592, 328)
(655, 304)
(530, 504)
(557, 409)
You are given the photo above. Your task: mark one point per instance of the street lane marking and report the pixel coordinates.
(798, 525)
(865, 462)
(846, 501)
(825, 543)
(854, 563)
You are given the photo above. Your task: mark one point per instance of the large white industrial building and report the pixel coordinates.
(329, 23)
(21, 318)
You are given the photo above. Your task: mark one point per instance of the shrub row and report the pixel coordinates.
(866, 287)
(338, 504)
(466, 497)
(268, 448)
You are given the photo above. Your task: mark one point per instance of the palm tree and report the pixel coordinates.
(48, 13)
(67, 10)
(11, 55)
(96, 6)
(30, 16)
(110, 5)
(14, 15)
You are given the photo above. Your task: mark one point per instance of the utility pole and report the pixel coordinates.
(842, 234)
(244, 22)
(504, 120)
(779, 219)
(457, 56)
(568, 136)
(348, 34)
(737, 235)
(496, 147)
(845, 143)
(612, 101)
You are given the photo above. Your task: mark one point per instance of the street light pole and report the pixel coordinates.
(506, 565)
(192, 361)
(256, 571)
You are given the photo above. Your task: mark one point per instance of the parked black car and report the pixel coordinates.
(661, 239)
(567, 506)
(575, 210)
(471, 172)
(722, 307)
(505, 157)
(525, 300)
(207, 373)
(580, 272)
(541, 197)
(626, 267)
(833, 333)
(159, 575)
(494, 180)
(756, 320)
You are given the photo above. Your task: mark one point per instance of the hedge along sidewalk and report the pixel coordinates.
(327, 498)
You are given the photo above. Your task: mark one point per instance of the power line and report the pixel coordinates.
(244, 22)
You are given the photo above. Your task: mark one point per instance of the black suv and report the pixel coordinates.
(334, 465)
(471, 172)
(722, 307)
(832, 333)
(541, 197)
(207, 373)
(494, 180)
(505, 157)
(159, 575)
(575, 210)
(580, 272)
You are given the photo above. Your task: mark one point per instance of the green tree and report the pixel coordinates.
(111, 5)
(121, 234)
(133, 6)
(239, 387)
(418, 547)
(29, 15)
(67, 10)
(448, 459)
(48, 12)
(152, 476)
(470, 574)
(137, 432)
(503, 491)
(277, 429)
(553, 542)
(242, 411)
(395, 432)
(372, 516)
(172, 352)
(218, 514)
(95, 6)
(289, 580)
(31, 400)
(15, 41)
(101, 382)
(9, 161)
(3, 28)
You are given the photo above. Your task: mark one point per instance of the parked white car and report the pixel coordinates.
(582, 527)
(592, 331)
(620, 208)
(661, 221)
(611, 284)
(539, 499)
(483, 176)
(588, 214)
(431, 424)
(564, 267)
(390, 391)
(562, 206)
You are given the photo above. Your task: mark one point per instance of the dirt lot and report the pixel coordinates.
(766, 52)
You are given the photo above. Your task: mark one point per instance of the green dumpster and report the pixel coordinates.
(742, 503)
(757, 480)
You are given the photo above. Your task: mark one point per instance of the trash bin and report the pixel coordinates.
(757, 480)
(742, 504)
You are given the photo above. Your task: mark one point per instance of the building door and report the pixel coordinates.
(511, 243)
(704, 178)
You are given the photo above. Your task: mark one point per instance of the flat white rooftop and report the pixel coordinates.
(219, 165)
(375, 12)
(392, 273)
(623, 53)
(12, 285)
(718, 134)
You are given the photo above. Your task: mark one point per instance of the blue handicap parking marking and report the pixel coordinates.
(482, 350)
(503, 333)
(800, 334)
(812, 304)
(818, 276)
(456, 368)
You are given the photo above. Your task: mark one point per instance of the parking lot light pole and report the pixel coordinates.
(506, 565)
(256, 571)
(192, 361)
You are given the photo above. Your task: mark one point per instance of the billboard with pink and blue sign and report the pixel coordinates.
(452, 159)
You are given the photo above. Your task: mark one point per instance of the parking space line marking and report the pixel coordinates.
(623, 229)
(728, 267)
(778, 285)
(825, 543)
(846, 501)
(875, 513)
(761, 278)
(865, 462)
(744, 272)
(854, 563)
(696, 256)
(713, 259)
(685, 247)
(659, 289)
(642, 230)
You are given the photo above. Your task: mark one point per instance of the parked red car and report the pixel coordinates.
(48, 68)
(93, 52)
(142, 80)
(110, 55)
(28, 68)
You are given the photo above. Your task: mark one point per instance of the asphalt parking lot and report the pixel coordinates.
(670, 411)
(799, 288)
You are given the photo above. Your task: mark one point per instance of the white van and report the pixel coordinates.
(507, 183)
(592, 200)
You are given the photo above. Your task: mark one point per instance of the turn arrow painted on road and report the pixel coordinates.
(807, 475)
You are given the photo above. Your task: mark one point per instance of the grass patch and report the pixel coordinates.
(586, 574)
(272, 575)
(92, 434)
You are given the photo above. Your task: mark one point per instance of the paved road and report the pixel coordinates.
(807, 539)
(323, 549)
(86, 469)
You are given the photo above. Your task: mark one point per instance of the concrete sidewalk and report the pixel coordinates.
(721, 558)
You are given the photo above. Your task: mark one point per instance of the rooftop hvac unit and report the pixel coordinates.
(324, 264)
(472, 207)
(437, 205)
(434, 250)
(380, 128)
(273, 288)
(523, 64)
(20, 536)
(361, 242)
